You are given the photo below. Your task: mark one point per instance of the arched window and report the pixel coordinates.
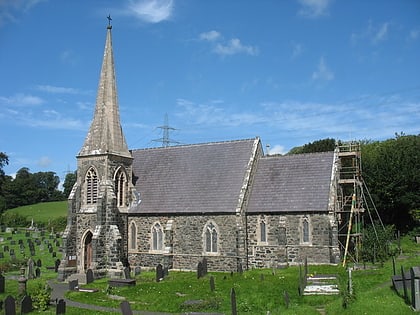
(157, 237)
(306, 236)
(120, 186)
(91, 186)
(132, 241)
(263, 231)
(210, 238)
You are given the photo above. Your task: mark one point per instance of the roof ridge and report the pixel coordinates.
(196, 144)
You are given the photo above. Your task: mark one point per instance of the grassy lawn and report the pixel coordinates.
(42, 212)
(257, 291)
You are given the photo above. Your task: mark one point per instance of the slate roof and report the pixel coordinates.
(292, 183)
(200, 178)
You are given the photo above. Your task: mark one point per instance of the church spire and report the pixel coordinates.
(105, 134)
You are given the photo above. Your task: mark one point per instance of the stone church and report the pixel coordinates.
(227, 202)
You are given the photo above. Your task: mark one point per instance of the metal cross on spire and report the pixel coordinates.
(109, 20)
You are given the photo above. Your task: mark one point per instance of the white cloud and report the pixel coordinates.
(297, 50)
(57, 89)
(210, 36)
(21, 100)
(314, 8)
(323, 72)
(151, 11)
(276, 149)
(11, 9)
(373, 33)
(229, 47)
(234, 46)
(44, 161)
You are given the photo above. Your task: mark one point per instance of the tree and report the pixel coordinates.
(324, 145)
(4, 160)
(392, 174)
(69, 182)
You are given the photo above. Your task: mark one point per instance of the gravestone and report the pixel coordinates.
(12, 252)
(126, 308)
(165, 272)
(199, 270)
(26, 305)
(233, 301)
(56, 265)
(89, 276)
(30, 269)
(32, 250)
(54, 254)
(2, 283)
(159, 273)
(37, 272)
(27, 234)
(286, 299)
(61, 307)
(1, 255)
(204, 266)
(73, 284)
(6, 248)
(415, 288)
(12, 242)
(212, 286)
(39, 263)
(20, 242)
(137, 270)
(127, 273)
(9, 305)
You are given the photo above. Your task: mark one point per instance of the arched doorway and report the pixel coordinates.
(87, 251)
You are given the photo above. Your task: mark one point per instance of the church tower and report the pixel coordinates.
(95, 236)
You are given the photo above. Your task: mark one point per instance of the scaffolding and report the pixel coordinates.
(350, 208)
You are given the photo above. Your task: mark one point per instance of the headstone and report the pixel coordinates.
(73, 284)
(1, 255)
(6, 248)
(61, 307)
(212, 286)
(89, 276)
(37, 272)
(12, 242)
(137, 270)
(32, 250)
(286, 299)
(39, 263)
(9, 305)
(20, 242)
(200, 270)
(27, 234)
(30, 269)
(2, 283)
(204, 266)
(12, 252)
(54, 254)
(127, 273)
(165, 272)
(159, 273)
(56, 265)
(126, 308)
(233, 301)
(261, 277)
(26, 305)
(415, 288)
(404, 285)
(50, 249)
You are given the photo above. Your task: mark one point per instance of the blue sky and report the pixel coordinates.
(290, 72)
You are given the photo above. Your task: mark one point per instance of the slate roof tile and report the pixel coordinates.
(292, 183)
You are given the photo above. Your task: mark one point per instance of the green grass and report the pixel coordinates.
(42, 212)
(257, 291)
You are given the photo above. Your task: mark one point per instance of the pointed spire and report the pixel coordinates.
(105, 134)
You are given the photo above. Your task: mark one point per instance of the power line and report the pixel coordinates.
(165, 140)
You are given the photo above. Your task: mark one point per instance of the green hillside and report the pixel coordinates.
(41, 212)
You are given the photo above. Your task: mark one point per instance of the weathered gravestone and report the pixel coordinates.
(137, 270)
(60, 307)
(73, 284)
(37, 272)
(126, 308)
(2, 283)
(56, 265)
(26, 305)
(415, 288)
(200, 270)
(286, 299)
(127, 273)
(89, 276)
(204, 266)
(159, 273)
(39, 263)
(30, 273)
(212, 286)
(233, 301)
(1, 255)
(9, 305)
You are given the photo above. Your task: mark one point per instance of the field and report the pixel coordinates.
(41, 212)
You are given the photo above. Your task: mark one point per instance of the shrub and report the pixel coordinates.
(41, 297)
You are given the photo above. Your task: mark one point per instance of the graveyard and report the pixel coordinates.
(29, 257)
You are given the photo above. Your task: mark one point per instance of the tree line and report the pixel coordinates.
(390, 169)
(29, 188)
